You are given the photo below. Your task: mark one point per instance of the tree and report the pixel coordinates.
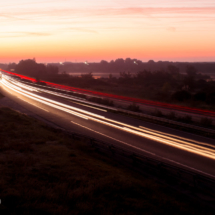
(166, 88)
(128, 61)
(125, 75)
(151, 62)
(200, 96)
(30, 68)
(191, 71)
(52, 70)
(11, 66)
(181, 95)
(173, 69)
(119, 61)
(87, 76)
(104, 62)
(189, 79)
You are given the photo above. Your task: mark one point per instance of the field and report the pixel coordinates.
(44, 171)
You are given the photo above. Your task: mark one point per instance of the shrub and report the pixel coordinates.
(158, 113)
(171, 115)
(186, 119)
(80, 95)
(41, 83)
(134, 107)
(200, 96)
(181, 95)
(26, 80)
(101, 101)
(207, 122)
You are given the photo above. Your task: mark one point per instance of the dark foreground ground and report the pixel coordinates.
(44, 171)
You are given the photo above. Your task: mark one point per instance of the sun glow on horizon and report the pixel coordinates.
(93, 30)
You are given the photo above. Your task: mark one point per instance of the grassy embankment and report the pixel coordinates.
(43, 171)
(148, 94)
(1, 96)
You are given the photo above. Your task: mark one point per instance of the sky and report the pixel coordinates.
(95, 30)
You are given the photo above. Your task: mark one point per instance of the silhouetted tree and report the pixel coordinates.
(87, 76)
(30, 68)
(200, 96)
(173, 69)
(119, 61)
(52, 70)
(181, 95)
(211, 98)
(11, 66)
(129, 62)
(189, 79)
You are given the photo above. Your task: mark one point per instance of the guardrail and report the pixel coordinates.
(168, 121)
(191, 183)
(122, 98)
(161, 119)
(194, 184)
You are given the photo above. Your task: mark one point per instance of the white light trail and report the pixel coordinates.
(33, 104)
(49, 104)
(172, 140)
(66, 96)
(90, 106)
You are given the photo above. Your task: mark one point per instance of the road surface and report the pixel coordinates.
(182, 149)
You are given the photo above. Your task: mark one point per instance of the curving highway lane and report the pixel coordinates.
(183, 149)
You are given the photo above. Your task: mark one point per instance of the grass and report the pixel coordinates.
(44, 171)
(1, 96)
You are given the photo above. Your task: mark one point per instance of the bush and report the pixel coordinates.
(80, 95)
(41, 83)
(158, 113)
(181, 95)
(171, 115)
(101, 101)
(185, 119)
(26, 80)
(207, 122)
(134, 107)
(200, 96)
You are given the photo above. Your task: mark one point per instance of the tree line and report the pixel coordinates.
(167, 84)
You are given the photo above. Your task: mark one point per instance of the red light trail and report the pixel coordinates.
(124, 98)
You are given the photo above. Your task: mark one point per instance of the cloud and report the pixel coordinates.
(31, 3)
(115, 11)
(153, 11)
(83, 30)
(37, 34)
(102, 18)
(23, 34)
(171, 29)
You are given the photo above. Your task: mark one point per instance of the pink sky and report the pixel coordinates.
(59, 30)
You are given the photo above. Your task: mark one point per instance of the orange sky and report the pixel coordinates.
(53, 31)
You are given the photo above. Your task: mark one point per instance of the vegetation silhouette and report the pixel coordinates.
(180, 83)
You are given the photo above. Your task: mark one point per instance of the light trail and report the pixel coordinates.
(25, 86)
(177, 137)
(144, 150)
(32, 96)
(129, 99)
(33, 104)
(113, 138)
(66, 96)
(178, 142)
(49, 104)
(90, 107)
(57, 94)
(157, 133)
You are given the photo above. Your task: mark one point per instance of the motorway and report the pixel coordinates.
(182, 149)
